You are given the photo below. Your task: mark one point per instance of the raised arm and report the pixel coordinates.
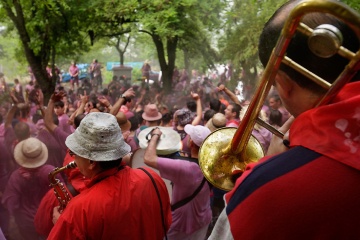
(231, 95)
(198, 117)
(122, 99)
(150, 157)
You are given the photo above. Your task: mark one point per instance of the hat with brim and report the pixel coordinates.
(151, 113)
(216, 122)
(170, 141)
(31, 153)
(98, 138)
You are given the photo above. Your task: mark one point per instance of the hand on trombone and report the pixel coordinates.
(277, 144)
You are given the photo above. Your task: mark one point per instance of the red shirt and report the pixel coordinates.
(119, 204)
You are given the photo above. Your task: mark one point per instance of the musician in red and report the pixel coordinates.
(309, 191)
(119, 202)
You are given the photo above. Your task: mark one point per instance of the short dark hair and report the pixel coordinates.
(78, 119)
(275, 117)
(209, 114)
(166, 118)
(59, 104)
(191, 105)
(236, 109)
(105, 165)
(215, 104)
(298, 50)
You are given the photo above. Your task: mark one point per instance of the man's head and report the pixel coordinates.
(97, 139)
(22, 131)
(274, 102)
(299, 51)
(232, 111)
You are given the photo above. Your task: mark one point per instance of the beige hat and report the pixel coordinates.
(98, 138)
(217, 121)
(31, 153)
(151, 113)
(170, 141)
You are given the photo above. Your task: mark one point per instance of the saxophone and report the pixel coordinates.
(61, 192)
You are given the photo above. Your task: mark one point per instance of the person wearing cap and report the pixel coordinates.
(120, 202)
(190, 218)
(27, 185)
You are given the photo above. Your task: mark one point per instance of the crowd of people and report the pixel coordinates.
(302, 189)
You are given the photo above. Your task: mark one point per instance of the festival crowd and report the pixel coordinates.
(136, 152)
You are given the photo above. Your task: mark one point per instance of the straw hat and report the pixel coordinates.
(151, 113)
(170, 141)
(98, 138)
(31, 153)
(217, 121)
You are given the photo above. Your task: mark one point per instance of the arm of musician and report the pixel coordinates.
(231, 95)
(150, 156)
(277, 145)
(198, 117)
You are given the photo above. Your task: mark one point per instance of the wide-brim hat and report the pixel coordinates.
(31, 153)
(151, 113)
(216, 122)
(98, 138)
(170, 141)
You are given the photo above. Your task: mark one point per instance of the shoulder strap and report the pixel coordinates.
(158, 195)
(188, 199)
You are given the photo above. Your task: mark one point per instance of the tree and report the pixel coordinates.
(46, 29)
(244, 23)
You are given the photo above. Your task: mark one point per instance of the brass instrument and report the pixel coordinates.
(61, 192)
(229, 150)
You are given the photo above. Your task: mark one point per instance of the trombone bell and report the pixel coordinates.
(219, 164)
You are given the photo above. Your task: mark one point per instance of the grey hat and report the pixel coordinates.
(98, 138)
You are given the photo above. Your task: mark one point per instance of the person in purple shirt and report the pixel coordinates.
(74, 75)
(27, 185)
(190, 220)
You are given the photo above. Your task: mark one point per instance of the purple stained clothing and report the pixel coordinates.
(56, 153)
(186, 177)
(63, 123)
(22, 196)
(60, 137)
(263, 136)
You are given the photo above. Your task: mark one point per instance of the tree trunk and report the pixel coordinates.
(166, 68)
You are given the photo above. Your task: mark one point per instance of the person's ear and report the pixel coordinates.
(284, 84)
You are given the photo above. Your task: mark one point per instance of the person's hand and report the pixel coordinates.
(221, 87)
(103, 101)
(195, 96)
(56, 214)
(129, 93)
(277, 145)
(126, 134)
(58, 96)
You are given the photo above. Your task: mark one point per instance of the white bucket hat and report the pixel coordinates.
(98, 138)
(31, 153)
(170, 141)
